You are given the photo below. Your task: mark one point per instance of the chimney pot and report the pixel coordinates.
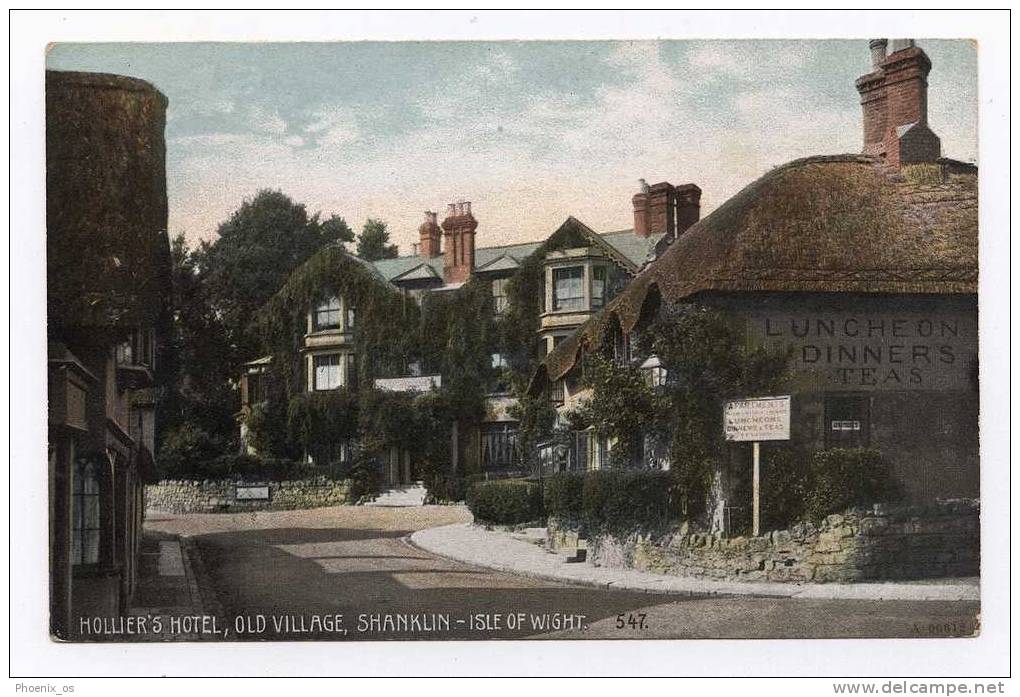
(878, 49)
(451, 210)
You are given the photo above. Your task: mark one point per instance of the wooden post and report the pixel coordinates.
(756, 488)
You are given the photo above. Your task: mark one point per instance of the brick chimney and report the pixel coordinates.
(894, 103)
(458, 242)
(664, 208)
(429, 234)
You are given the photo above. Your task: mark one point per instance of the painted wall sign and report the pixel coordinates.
(765, 418)
(251, 493)
(875, 351)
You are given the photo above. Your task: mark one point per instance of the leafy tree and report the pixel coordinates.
(197, 362)
(373, 242)
(257, 249)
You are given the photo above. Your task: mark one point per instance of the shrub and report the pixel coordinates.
(843, 478)
(505, 502)
(562, 496)
(184, 447)
(445, 488)
(785, 482)
(364, 476)
(622, 501)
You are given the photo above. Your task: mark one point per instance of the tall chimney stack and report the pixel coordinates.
(429, 234)
(665, 209)
(894, 103)
(458, 242)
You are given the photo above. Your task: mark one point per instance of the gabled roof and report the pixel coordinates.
(504, 262)
(419, 272)
(840, 224)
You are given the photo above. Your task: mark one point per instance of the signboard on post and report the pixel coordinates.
(755, 420)
(764, 418)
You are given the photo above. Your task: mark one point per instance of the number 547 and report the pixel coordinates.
(632, 620)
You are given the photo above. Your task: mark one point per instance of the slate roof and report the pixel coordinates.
(635, 249)
(840, 223)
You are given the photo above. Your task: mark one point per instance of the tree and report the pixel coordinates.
(196, 365)
(373, 241)
(256, 250)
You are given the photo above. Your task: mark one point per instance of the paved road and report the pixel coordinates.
(288, 575)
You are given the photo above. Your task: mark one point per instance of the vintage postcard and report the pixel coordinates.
(475, 340)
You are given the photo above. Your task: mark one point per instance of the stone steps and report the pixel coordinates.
(401, 497)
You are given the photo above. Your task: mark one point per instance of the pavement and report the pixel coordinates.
(516, 554)
(168, 587)
(288, 575)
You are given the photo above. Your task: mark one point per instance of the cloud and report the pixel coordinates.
(528, 135)
(332, 125)
(266, 121)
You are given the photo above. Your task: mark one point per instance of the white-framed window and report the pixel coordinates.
(327, 371)
(568, 288)
(350, 317)
(327, 315)
(86, 527)
(500, 300)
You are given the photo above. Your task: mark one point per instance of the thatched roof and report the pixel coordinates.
(837, 224)
(107, 250)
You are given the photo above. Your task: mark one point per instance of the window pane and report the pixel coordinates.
(90, 554)
(499, 297)
(598, 287)
(327, 315)
(568, 288)
(327, 371)
(76, 546)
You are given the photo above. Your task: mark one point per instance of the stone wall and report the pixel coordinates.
(882, 543)
(220, 496)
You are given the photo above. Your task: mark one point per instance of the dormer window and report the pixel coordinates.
(568, 288)
(327, 315)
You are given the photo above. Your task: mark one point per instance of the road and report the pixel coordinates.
(349, 573)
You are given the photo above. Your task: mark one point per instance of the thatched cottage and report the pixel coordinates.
(865, 267)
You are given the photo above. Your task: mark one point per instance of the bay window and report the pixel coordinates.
(85, 520)
(326, 372)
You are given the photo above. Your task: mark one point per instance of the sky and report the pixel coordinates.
(529, 132)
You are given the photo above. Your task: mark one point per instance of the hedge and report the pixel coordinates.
(562, 496)
(843, 478)
(506, 502)
(240, 467)
(624, 501)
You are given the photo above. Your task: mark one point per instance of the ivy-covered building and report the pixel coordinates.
(862, 270)
(522, 299)
(108, 303)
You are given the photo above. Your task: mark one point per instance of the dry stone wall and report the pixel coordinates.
(881, 543)
(220, 496)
